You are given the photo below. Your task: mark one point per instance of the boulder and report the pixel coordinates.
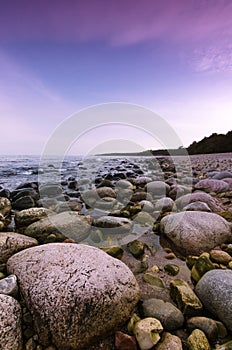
(211, 185)
(212, 202)
(194, 232)
(12, 242)
(217, 284)
(10, 321)
(66, 224)
(75, 293)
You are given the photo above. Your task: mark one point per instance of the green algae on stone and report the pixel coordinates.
(201, 266)
(153, 280)
(132, 322)
(172, 269)
(198, 341)
(136, 248)
(116, 251)
(190, 260)
(185, 298)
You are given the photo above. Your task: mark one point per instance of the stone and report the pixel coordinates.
(66, 224)
(185, 298)
(212, 202)
(124, 184)
(157, 188)
(170, 317)
(220, 257)
(136, 248)
(212, 185)
(205, 324)
(10, 321)
(169, 342)
(132, 322)
(153, 280)
(106, 192)
(90, 293)
(202, 265)
(142, 180)
(115, 251)
(125, 342)
(197, 206)
(147, 206)
(222, 175)
(140, 196)
(5, 212)
(50, 190)
(23, 192)
(143, 219)
(198, 341)
(229, 181)
(165, 204)
(172, 269)
(12, 242)
(147, 332)
(225, 346)
(26, 217)
(114, 223)
(30, 344)
(9, 286)
(217, 284)
(194, 232)
(25, 202)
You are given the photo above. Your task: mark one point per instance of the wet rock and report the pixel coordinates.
(222, 175)
(172, 269)
(10, 321)
(205, 324)
(217, 284)
(140, 196)
(170, 317)
(147, 332)
(27, 217)
(16, 194)
(106, 192)
(220, 257)
(124, 184)
(142, 181)
(185, 298)
(165, 204)
(169, 342)
(212, 202)
(50, 190)
(229, 181)
(147, 206)
(125, 342)
(136, 248)
(194, 232)
(9, 286)
(197, 206)
(144, 219)
(120, 224)
(157, 188)
(225, 346)
(5, 212)
(198, 341)
(5, 193)
(67, 224)
(211, 185)
(202, 265)
(153, 280)
(12, 242)
(25, 202)
(115, 252)
(90, 293)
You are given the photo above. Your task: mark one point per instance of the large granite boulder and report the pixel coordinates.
(10, 324)
(193, 232)
(76, 293)
(218, 285)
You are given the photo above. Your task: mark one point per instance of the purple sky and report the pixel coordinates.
(58, 57)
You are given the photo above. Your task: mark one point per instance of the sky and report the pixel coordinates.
(61, 60)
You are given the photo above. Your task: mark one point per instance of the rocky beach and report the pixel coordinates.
(116, 253)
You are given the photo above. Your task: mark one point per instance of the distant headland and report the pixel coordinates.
(215, 143)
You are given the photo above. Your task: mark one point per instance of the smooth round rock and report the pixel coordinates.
(170, 316)
(169, 342)
(212, 202)
(76, 290)
(10, 321)
(217, 284)
(194, 232)
(26, 217)
(211, 185)
(197, 206)
(9, 286)
(12, 242)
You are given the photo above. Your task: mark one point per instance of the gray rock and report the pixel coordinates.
(106, 192)
(194, 232)
(12, 242)
(222, 175)
(5, 212)
(50, 190)
(124, 184)
(66, 224)
(211, 185)
(10, 321)
(157, 188)
(75, 292)
(25, 202)
(170, 317)
(197, 206)
(113, 222)
(165, 204)
(205, 324)
(9, 286)
(217, 284)
(212, 202)
(228, 180)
